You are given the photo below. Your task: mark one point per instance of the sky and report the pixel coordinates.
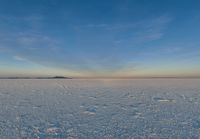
(100, 38)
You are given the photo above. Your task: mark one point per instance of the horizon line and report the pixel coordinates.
(117, 77)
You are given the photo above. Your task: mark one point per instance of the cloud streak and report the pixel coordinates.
(19, 58)
(138, 32)
(35, 46)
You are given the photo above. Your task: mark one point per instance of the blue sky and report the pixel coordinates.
(99, 38)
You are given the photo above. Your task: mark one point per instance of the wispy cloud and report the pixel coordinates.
(34, 45)
(131, 32)
(19, 58)
(31, 22)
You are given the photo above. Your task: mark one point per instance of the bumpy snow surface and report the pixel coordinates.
(90, 109)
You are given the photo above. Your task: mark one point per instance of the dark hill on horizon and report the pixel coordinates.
(54, 77)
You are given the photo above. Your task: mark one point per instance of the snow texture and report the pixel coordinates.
(100, 109)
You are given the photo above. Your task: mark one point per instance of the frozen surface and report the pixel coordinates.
(89, 109)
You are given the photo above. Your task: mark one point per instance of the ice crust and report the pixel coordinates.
(98, 109)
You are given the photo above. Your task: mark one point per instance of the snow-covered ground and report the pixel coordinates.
(89, 109)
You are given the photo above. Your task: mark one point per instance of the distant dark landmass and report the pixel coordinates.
(61, 77)
(55, 77)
